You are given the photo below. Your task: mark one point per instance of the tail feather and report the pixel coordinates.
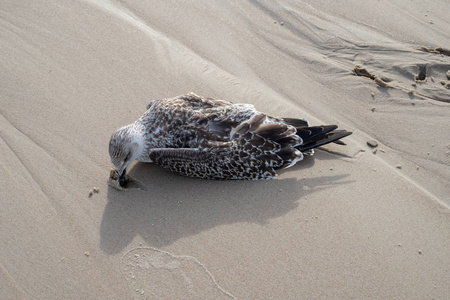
(296, 122)
(275, 131)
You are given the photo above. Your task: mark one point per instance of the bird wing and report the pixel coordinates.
(196, 101)
(213, 163)
(255, 150)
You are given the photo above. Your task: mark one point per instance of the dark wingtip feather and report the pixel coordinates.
(339, 142)
(325, 139)
(313, 133)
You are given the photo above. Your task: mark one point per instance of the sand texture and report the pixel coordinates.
(352, 222)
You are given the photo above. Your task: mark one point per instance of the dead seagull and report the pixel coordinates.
(216, 139)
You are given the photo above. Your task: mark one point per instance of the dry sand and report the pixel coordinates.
(347, 223)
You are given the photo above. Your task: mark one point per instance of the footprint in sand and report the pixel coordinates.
(156, 274)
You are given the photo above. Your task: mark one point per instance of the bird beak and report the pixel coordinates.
(122, 179)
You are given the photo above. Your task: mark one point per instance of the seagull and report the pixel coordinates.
(216, 139)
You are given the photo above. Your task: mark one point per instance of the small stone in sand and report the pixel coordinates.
(417, 167)
(398, 166)
(281, 23)
(372, 109)
(422, 76)
(420, 251)
(432, 78)
(443, 82)
(86, 253)
(372, 143)
(431, 22)
(414, 84)
(96, 190)
(372, 94)
(91, 192)
(374, 151)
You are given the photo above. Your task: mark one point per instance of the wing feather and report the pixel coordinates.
(255, 151)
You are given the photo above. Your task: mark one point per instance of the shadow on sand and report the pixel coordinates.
(174, 206)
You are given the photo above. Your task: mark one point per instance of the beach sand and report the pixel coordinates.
(350, 222)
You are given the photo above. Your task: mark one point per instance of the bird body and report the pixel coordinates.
(216, 139)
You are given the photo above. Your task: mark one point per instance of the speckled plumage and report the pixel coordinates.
(216, 139)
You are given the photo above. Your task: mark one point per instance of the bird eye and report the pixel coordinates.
(128, 157)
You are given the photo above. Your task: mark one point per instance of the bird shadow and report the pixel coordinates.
(174, 206)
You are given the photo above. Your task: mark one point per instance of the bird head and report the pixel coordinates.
(125, 146)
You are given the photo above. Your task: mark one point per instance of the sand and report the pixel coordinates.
(347, 223)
